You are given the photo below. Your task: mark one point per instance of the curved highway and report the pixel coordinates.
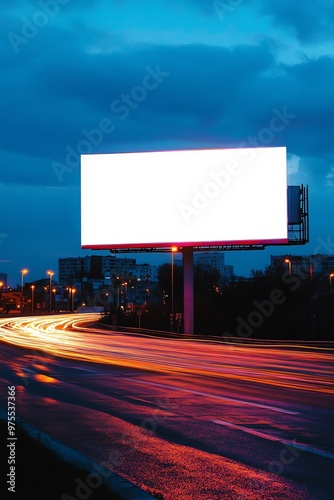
(191, 419)
(71, 336)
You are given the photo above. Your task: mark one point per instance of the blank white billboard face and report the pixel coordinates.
(192, 197)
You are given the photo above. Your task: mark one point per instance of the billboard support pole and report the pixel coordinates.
(188, 289)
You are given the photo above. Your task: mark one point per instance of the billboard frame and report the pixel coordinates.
(239, 231)
(297, 234)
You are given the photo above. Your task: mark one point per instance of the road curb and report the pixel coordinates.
(114, 482)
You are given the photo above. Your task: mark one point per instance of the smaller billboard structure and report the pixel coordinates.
(298, 215)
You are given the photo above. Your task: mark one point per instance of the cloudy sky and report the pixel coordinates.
(215, 74)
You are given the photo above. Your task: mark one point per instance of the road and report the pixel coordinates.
(191, 419)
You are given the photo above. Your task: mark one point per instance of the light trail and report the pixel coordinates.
(220, 398)
(271, 437)
(70, 336)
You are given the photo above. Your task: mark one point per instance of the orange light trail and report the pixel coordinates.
(69, 336)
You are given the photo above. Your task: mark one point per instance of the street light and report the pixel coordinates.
(23, 272)
(126, 295)
(32, 298)
(288, 261)
(106, 295)
(54, 290)
(1, 285)
(331, 276)
(148, 297)
(50, 273)
(174, 249)
(73, 292)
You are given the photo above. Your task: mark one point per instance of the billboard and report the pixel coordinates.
(294, 211)
(185, 198)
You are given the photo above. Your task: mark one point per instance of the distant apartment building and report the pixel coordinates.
(215, 260)
(211, 261)
(147, 273)
(73, 268)
(118, 266)
(98, 276)
(94, 267)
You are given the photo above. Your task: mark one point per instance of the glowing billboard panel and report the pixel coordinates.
(185, 198)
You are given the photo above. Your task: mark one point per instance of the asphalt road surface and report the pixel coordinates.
(190, 419)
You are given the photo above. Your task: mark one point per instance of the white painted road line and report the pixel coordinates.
(269, 437)
(213, 396)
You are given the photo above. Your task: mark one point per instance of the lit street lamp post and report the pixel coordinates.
(54, 290)
(148, 298)
(32, 298)
(126, 296)
(23, 272)
(331, 276)
(73, 292)
(50, 273)
(1, 285)
(288, 261)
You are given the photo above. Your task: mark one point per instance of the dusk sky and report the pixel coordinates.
(215, 74)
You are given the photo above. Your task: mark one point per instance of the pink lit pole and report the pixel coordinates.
(188, 289)
(174, 249)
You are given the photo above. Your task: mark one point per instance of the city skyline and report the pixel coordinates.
(156, 76)
(308, 264)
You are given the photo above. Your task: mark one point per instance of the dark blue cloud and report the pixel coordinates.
(212, 96)
(309, 21)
